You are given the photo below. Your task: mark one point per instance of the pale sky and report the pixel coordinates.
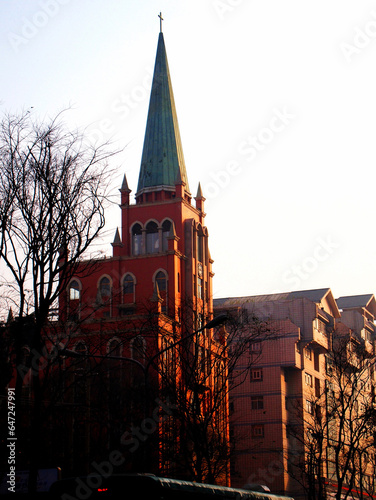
(276, 102)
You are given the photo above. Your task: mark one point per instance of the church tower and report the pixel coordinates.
(163, 242)
(148, 304)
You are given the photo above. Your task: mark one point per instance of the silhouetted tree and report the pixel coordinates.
(334, 433)
(196, 368)
(53, 190)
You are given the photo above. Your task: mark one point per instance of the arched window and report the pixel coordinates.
(128, 284)
(80, 348)
(166, 228)
(74, 296)
(152, 238)
(136, 239)
(161, 281)
(114, 348)
(105, 289)
(74, 290)
(138, 346)
(200, 242)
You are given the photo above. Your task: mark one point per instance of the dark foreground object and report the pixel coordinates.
(142, 487)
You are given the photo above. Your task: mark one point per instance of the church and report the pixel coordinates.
(146, 313)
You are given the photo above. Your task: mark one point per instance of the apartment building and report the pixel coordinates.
(276, 412)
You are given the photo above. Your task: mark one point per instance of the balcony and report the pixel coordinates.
(320, 334)
(367, 336)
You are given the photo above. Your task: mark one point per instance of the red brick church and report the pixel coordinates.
(155, 291)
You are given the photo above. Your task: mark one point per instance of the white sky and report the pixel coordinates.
(290, 201)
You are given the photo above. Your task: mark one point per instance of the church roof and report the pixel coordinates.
(162, 160)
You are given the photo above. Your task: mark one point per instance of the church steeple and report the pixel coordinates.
(162, 157)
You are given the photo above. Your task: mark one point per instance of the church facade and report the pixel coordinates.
(142, 313)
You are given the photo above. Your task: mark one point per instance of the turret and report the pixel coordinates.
(125, 192)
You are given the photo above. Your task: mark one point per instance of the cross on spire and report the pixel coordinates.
(160, 22)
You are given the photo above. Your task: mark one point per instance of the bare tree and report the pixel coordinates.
(196, 370)
(334, 433)
(53, 190)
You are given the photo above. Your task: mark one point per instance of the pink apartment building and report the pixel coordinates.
(286, 372)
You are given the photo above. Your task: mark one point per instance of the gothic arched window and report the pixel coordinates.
(138, 348)
(161, 281)
(105, 289)
(74, 296)
(74, 290)
(128, 284)
(136, 239)
(80, 348)
(152, 238)
(200, 243)
(114, 347)
(166, 228)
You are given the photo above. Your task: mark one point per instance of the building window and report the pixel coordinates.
(320, 326)
(200, 250)
(257, 402)
(308, 379)
(128, 285)
(166, 228)
(317, 388)
(256, 375)
(257, 430)
(200, 321)
(255, 347)
(161, 281)
(74, 290)
(74, 296)
(136, 239)
(308, 353)
(200, 289)
(200, 244)
(316, 361)
(138, 346)
(309, 407)
(152, 238)
(114, 348)
(105, 289)
(80, 348)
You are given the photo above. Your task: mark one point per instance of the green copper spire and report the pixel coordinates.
(162, 160)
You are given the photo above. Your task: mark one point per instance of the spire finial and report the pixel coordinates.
(160, 22)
